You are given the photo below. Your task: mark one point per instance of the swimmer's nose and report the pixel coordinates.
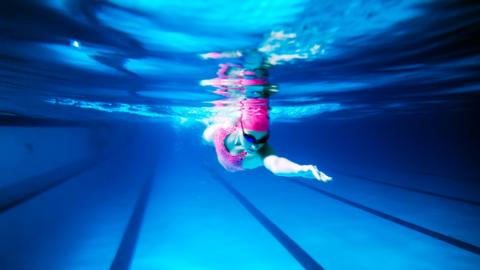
(255, 147)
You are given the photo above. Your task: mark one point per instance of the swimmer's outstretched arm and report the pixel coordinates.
(283, 167)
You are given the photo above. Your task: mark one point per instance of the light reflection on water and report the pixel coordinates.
(149, 58)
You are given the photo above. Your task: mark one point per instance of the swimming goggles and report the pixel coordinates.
(251, 139)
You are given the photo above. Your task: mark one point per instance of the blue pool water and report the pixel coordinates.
(102, 109)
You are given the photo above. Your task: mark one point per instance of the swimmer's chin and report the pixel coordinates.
(251, 151)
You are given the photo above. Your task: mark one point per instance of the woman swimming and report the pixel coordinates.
(241, 142)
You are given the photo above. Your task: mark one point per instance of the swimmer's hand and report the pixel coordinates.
(311, 171)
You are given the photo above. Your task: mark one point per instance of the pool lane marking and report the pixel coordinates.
(421, 191)
(124, 255)
(292, 247)
(439, 236)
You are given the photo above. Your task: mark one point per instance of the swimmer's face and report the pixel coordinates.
(253, 140)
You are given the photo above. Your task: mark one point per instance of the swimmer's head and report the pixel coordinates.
(252, 140)
(255, 114)
(254, 122)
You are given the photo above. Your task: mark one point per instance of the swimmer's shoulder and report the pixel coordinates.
(266, 150)
(255, 160)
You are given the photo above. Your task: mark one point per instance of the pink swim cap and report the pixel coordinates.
(255, 114)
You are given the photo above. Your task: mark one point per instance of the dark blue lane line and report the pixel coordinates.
(425, 192)
(126, 249)
(19, 192)
(288, 243)
(442, 237)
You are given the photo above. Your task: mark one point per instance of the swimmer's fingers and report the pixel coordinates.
(325, 178)
(315, 172)
(311, 171)
(320, 175)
